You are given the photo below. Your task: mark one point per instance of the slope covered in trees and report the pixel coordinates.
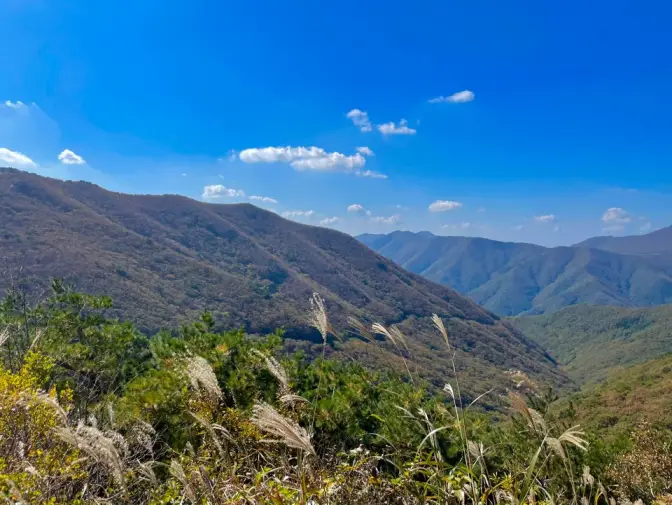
(591, 341)
(512, 279)
(163, 259)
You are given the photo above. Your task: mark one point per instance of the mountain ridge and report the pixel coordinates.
(512, 278)
(166, 258)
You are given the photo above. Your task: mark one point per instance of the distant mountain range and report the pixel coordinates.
(513, 278)
(654, 243)
(163, 259)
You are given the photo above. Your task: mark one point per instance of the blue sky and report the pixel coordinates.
(555, 123)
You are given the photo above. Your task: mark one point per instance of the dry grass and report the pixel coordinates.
(270, 421)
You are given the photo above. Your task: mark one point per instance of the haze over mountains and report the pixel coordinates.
(513, 278)
(164, 259)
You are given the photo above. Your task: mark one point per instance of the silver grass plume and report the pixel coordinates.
(177, 471)
(97, 446)
(211, 432)
(317, 316)
(276, 370)
(379, 329)
(438, 322)
(269, 420)
(4, 335)
(45, 399)
(574, 437)
(292, 399)
(534, 419)
(143, 434)
(399, 336)
(361, 329)
(202, 377)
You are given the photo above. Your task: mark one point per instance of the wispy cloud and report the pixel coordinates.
(465, 225)
(361, 119)
(371, 174)
(15, 159)
(393, 129)
(304, 158)
(459, 97)
(264, 199)
(386, 220)
(518, 227)
(616, 215)
(545, 218)
(15, 105)
(646, 227)
(366, 151)
(298, 213)
(444, 205)
(67, 157)
(231, 155)
(216, 191)
(330, 220)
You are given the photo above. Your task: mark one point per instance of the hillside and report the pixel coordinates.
(511, 278)
(656, 242)
(592, 341)
(642, 392)
(163, 259)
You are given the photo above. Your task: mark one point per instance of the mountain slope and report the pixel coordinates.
(642, 392)
(165, 258)
(656, 242)
(592, 341)
(510, 278)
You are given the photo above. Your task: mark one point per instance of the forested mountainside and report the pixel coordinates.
(164, 259)
(593, 341)
(512, 278)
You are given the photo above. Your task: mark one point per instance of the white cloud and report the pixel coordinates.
(216, 191)
(361, 119)
(366, 151)
(15, 105)
(386, 220)
(518, 227)
(330, 220)
(370, 173)
(280, 154)
(459, 97)
(392, 129)
(264, 199)
(444, 205)
(645, 227)
(14, 159)
(355, 207)
(546, 218)
(332, 161)
(616, 215)
(298, 213)
(67, 157)
(304, 158)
